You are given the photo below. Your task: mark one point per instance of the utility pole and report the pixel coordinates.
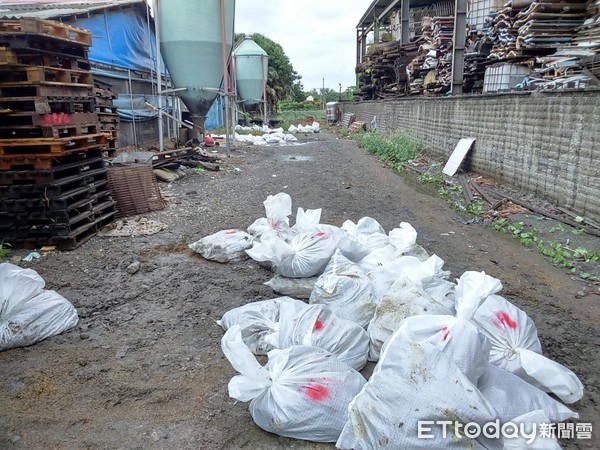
(161, 143)
(323, 93)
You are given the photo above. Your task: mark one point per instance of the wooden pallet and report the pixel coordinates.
(56, 90)
(55, 132)
(41, 44)
(47, 105)
(53, 175)
(47, 216)
(39, 195)
(57, 147)
(47, 120)
(18, 75)
(46, 28)
(45, 161)
(10, 57)
(106, 109)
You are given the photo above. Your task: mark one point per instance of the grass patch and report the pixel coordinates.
(4, 249)
(393, 149)
(295, 117)
(561, 253)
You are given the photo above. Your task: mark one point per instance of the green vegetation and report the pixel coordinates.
(291, 105)
(431, 178)
(288, 118)
(392, 149)
(4, 249)
(560, 253)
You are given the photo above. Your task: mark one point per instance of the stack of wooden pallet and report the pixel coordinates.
(53, 183)
(108, 116)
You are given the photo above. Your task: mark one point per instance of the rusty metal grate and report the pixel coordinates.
(135, 189)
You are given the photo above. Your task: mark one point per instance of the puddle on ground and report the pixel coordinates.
(298, 158)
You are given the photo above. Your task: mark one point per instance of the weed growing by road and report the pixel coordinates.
(4, 249)
(393, 149)
(561, 254)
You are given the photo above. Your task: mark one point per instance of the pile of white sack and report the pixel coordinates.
(445, 351)
(28, 312)
(263, 135)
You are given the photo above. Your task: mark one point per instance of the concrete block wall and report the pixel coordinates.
(545, 143)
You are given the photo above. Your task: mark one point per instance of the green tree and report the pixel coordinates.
(350, 93)
(282, 79)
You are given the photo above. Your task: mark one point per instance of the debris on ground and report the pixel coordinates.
(131, 227)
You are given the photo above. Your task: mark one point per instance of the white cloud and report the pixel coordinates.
(319, 36)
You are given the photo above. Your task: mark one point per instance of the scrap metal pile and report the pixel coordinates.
(558, 41)
(454, 351)
(53, 183)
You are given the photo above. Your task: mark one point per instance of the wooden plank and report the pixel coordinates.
(543, 212)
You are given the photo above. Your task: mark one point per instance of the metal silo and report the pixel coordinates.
(191, 39)
(251, 66)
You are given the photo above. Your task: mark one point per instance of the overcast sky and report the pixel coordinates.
(319, 36)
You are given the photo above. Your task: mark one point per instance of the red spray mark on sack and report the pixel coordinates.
(319, 325)
(446, 332)
(231, 232)
(320, 234)
(504, 320)
(275, 226)
(316, 392)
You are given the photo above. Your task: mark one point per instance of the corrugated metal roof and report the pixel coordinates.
(55, 9)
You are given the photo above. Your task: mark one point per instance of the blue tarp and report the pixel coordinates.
(214, 117)
(121, 38)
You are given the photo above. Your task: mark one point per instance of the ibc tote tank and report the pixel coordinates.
(190, 40)
(251, 66)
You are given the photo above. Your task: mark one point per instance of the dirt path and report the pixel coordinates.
(144, 368)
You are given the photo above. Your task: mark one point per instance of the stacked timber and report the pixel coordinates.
(383, 74)
(504, 34)
(53, 183)
(547, 24)
(108, 116)
(477, 51)
(431, 69)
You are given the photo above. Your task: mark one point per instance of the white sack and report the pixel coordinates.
(305, 256)
(224, 246)
(258, 322)
(404, 299)
(278, 208)
(531, 422)
(302, 392)
(428, 274)
(511, 397)
(317, 325)
(517, 349)
(404, 239)
(28, 313)
(413, 381)
(307, 221)
(293, 287)
(378, 258)
(362, 238)
(345, 288)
